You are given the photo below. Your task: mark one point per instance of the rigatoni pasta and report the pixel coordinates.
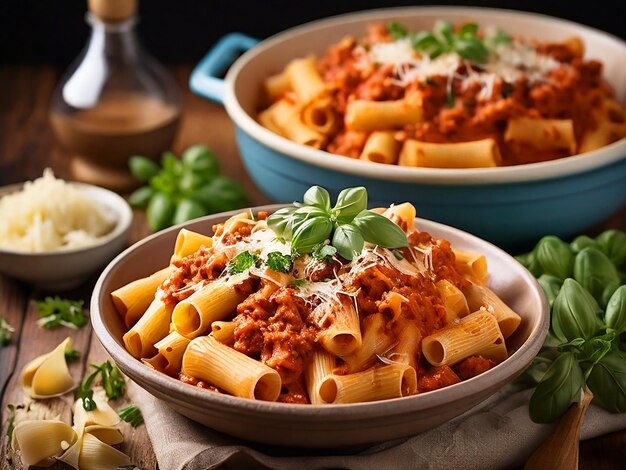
(506, 100)
(245, 314)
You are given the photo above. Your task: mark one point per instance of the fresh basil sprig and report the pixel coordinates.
(586, 339)
(348, 224)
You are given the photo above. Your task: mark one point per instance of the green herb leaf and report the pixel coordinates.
(445, 31)
(348, 241)
(85, 393)
(160, 211)
(551, 286)
(613, 244)
(298, 282)
(324, 252)
(615, 315)
(143, 168)
(278, 262)
(379, 230)
(310, 232)
(397, 31)
(6, 331)
(497, 38)
(607, 382)
(472, 49)
(131, 414)
(559, 388)
(280, 220)
(141, 197)
(398, 254)
(554, 257)
(242, 262)
(317, 196)
(535, 371)
(201, 160)
(595, 272)
(11, 421)
(55, 312)
(221, 194)
(71, 354)
(575, 313)
(582, 242)
(350, 202)
(187, 209)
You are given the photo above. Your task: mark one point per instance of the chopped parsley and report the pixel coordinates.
(112, 382)
(398, 254)
(11, 421)
(72, 354)
(298, 282)
(278, 262)
(6, 331)
(55, 312)
(242, 262)
(131, 414)
(324, 252)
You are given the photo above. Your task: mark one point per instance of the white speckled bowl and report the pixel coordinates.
(67, 268)
(332, 425)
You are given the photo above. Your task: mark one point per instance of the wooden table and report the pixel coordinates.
(27, 146)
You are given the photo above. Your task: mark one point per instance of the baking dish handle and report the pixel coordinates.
(204, 79)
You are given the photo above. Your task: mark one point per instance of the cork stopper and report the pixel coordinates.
(112, 10)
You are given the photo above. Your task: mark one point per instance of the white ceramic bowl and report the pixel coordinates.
(331, 425)
(66, 268)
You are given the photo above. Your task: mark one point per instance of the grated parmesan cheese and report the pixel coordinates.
(50, 214)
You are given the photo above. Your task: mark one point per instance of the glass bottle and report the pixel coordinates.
(115, 101)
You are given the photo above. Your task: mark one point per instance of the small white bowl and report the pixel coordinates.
(66, 268)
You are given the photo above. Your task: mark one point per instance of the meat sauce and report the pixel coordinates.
(455, 111)
(274, 325)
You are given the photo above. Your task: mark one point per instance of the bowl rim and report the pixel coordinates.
(562, 167)
(122, 209)
(337, 412)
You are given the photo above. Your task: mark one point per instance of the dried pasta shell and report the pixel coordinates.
(48, 376)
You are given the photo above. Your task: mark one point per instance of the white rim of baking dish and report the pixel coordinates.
(511, 174)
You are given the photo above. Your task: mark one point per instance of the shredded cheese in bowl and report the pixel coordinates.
(50, 214)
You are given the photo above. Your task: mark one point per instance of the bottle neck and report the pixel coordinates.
(116, 40)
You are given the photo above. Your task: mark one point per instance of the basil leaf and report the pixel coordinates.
(615, 315)
(445, 31)
(279, 220)
(310, 232)
(529, 261)
(607, 382)
(428, 43)
(396, 30)
(613, 244)
(473, 50)
(350, 202)
(468, 31)
(575, 313)
(348, 241)
(318, 197)
(379, 230)
(559, 388)
(242, 262)
(582, 242)
(551, 286)
(554, 257)
(535, 371)
(497, 38)
(594, 271)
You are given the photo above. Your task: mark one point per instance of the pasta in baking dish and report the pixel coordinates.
(456, 97)
(240, 312)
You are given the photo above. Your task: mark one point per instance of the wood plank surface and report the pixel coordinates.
(27, 146)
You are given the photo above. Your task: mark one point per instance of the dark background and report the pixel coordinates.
(54, 31)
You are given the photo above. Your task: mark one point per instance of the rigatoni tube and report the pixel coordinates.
(209, 360)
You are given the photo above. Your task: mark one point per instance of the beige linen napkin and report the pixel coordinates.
(495, 434)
